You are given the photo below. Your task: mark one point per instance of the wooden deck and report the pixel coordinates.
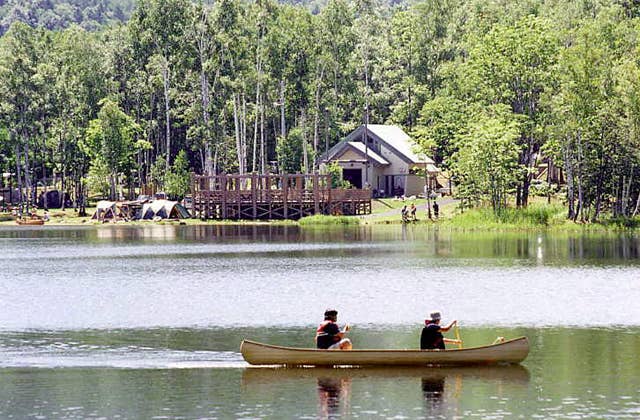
(289, 196)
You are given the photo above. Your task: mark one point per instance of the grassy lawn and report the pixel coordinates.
(56, 216)
(382, 206)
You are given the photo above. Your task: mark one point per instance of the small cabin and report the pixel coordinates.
(384, 158)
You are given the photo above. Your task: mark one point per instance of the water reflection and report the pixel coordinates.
(331, 391)
(433, 391)
(511, 374)
(441, 388)
(538, 248)
(198, 373)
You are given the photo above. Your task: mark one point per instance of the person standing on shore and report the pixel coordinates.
(405, 213)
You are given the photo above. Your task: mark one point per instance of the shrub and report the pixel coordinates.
(321, 220)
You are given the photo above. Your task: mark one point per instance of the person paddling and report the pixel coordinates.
(431, 337)
(329, 336)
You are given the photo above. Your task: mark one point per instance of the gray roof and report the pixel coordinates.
(394, 137)
(364, 151)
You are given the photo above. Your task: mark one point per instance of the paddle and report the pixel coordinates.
(458, 336)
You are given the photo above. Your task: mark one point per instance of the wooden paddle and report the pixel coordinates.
(458, 336)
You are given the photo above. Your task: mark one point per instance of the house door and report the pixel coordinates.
(354, 176)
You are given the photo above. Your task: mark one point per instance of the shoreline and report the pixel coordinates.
(327, 222)
(539, 217)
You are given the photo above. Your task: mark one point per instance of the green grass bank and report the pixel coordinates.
(537, 216)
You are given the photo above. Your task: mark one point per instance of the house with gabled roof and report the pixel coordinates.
(384, 158)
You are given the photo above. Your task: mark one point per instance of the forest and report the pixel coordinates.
(59, 14)
(488, 87)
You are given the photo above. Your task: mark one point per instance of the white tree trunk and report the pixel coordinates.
(316, 122)
(167, 109)
(204, 90)
(236, 125)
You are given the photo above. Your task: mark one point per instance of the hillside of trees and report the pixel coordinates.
(488, 87)
(59, 14)
(91, 14)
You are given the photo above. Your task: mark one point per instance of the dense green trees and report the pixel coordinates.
(58, 14)
(109, 143)
(492, 89)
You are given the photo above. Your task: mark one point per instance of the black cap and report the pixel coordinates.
(330, 312)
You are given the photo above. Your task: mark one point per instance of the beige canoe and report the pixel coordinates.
(507, 352)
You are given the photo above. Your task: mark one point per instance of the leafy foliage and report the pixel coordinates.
(109, 142)
(59, 14)
(486, 162)
(494, 91)
(177, 180)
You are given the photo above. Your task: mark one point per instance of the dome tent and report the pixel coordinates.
(105, 210)
(164, 209)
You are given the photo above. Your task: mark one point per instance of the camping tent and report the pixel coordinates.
(105, 210)
(164, 209)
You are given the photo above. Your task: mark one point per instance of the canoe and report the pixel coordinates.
(30, 222)
(508, 352)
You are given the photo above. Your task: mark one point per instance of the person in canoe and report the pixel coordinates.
(329, 336)
(431, 337)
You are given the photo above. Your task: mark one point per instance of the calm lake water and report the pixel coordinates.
(145, 321)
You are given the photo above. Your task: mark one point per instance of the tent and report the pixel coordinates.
(164, 209)
(105, 210)
(53, 199)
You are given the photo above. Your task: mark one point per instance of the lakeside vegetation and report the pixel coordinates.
(321, 220)
(538, 216)
(491, 89)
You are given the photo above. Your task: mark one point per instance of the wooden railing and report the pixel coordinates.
(277, 196)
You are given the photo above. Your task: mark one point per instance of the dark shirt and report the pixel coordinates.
(327, 335)
(431, 338)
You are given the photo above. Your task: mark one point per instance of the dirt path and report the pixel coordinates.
(422, 208)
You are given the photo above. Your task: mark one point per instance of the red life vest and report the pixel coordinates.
(321, 327)
(325, 338)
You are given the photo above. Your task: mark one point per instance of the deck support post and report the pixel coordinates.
(285, 195)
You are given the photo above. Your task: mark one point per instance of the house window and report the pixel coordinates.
(373, 145)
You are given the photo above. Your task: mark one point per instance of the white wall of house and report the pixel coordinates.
(397, 165)
(409, 184)
(351, 159)
(350, 154)
(388, 179)
(415, 185)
